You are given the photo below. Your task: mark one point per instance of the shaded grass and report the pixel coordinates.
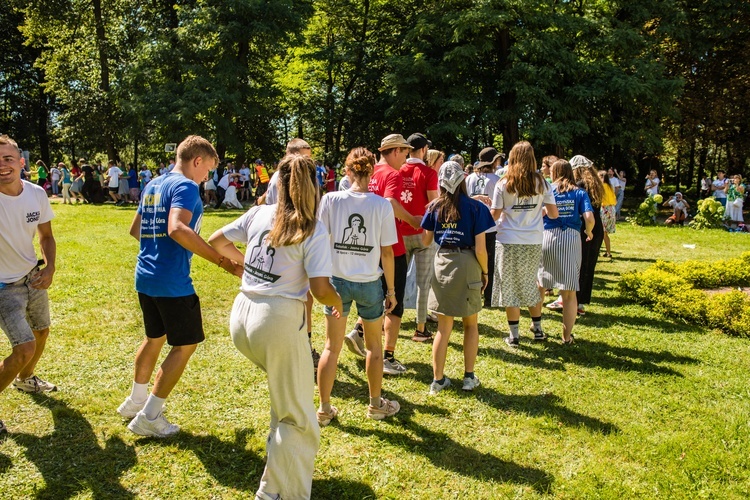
(639, 407)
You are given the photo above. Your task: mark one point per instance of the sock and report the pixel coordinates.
(153, 407)
(388, 355)
(325, 407)
(139, 394)
(468, 374)
(513, 325)
(376, 402)
(441, 381)
(537, 323)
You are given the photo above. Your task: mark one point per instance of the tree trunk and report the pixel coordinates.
(108, 115)
(691, 168)
(507, 99)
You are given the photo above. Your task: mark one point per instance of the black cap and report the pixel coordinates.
(487, 157)
(418, 141)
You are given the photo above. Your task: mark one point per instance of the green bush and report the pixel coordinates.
(677, 291)
(710, 215)
(646, 211)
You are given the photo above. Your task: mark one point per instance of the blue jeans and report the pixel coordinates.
(368, 296)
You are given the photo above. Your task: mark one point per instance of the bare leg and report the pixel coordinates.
(374, 360)
(471, 342)
(171, 369)
(146, 358)
(440, 345)
(570, 310)
(606, 243)
(41, 341)
(12, 365)
(392, 329)
(329, 358)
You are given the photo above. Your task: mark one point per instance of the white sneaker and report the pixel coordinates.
(33, 384)
(387, 409)
(129, 408)
(470, 383)
(159, 427)
(393, 367)
(435, 387)
(355, 343)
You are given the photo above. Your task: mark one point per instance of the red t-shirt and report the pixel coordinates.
(417, 178)
(331, 181)
(386, 182)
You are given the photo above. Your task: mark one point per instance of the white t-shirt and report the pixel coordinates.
(358, 225)
(114, 174)
(520, 222)
(244, 174)
(272, 190)
(19, 217)
(477, 184)
(615, 183)
(282, 271)
(654, 189)
(224, 181)
(719, 193)
(55, 172)
(679, 205)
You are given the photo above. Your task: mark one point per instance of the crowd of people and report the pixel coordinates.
(492, 234)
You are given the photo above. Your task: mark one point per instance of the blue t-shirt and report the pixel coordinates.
(163, 268)
(475, 219)
(66, 176)
(132, 179)
(320, 174)
(570, 206)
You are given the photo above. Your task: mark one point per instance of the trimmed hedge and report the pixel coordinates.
(678, 291)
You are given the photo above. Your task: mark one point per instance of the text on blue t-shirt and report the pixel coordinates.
(570, 206)
(475, 219)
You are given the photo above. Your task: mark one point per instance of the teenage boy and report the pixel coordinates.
(167, 225)
(718, 187)
(24, 304)
(419, 187)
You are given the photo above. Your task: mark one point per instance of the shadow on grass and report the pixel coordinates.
(445, 453)
(71, 460)
(591, 353)
(5, 462)
(541, 405)
(341, 489)
(229, 462)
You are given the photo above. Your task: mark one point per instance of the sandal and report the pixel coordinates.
(570, 341)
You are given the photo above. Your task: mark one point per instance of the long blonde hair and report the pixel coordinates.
(298, 202)
(523, 180)
(592, 184)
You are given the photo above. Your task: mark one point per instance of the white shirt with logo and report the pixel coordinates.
(19, 217)
(520, 222)
(358, 225)
(282, 271)
(720, 183)
(114, 174)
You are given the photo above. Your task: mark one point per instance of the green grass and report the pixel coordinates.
(639, 407)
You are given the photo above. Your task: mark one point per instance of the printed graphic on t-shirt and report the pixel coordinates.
(406, 196)
(524, 205)
(32, 217)
(261, 260)
(479, 186)
(354, 238)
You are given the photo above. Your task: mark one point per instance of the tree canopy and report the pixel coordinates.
(630, 84)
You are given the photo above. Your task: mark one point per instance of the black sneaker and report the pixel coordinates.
(538, 334)
(423, 336)
(511, 341)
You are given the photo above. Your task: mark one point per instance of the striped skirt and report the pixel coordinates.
(561, 259)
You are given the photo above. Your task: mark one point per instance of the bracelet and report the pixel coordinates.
(392, 294)
(220, 261)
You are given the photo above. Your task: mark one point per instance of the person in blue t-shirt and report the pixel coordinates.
(133, 184)
(167, 225)
(561, 245)
(458, 224)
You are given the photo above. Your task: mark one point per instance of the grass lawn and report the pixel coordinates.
(639, 407)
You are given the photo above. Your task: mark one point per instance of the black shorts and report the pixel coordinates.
(177, 317)
(399, 282)
(114, 190)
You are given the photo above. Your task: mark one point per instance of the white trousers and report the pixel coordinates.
(272, 333)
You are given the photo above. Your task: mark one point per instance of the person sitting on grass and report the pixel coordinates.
(679, 207)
